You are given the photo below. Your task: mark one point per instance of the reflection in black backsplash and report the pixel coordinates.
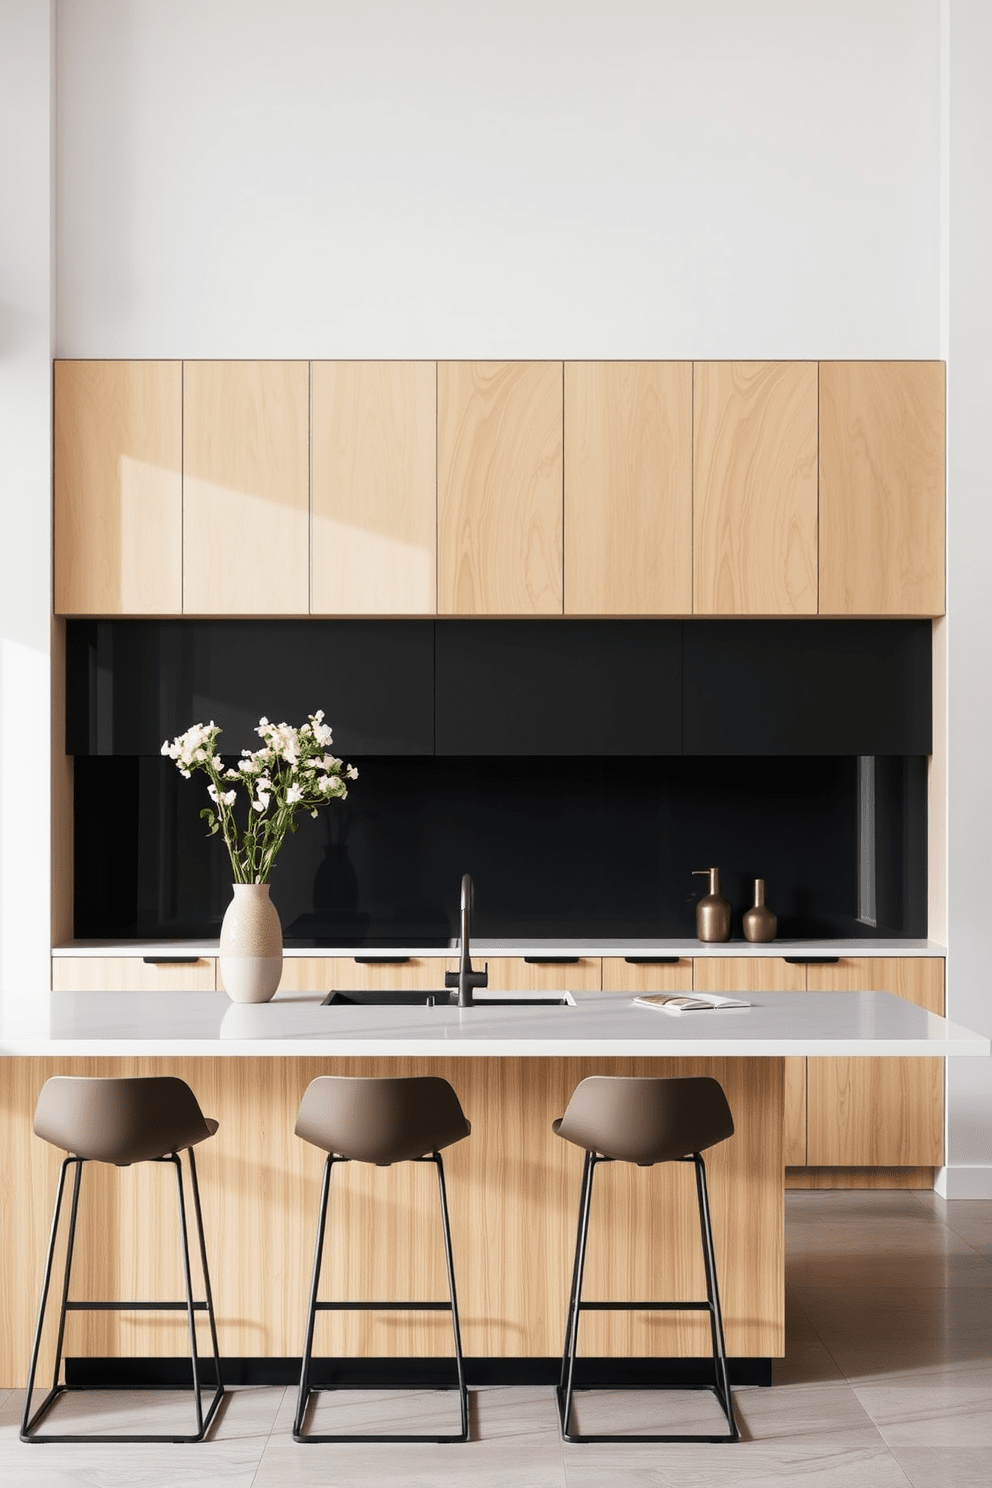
(557, 847)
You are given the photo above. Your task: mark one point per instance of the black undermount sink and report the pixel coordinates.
(388, 997)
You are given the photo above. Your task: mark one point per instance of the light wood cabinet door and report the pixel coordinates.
(499, 443)
(882, 488)
(131, 974)
(621, 975)
(754, 488)
(344, 973)
(516, 974)
(246, 488)
(878, 1112)
(374, 488)
(628, 488)
(769, 974)
(118, 488)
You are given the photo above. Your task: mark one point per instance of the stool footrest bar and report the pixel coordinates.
(383, 1306)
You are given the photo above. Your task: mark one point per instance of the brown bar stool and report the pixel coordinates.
(380, 1121)
(149, 1119)
(646, 1121)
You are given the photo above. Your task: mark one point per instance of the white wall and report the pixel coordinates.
(969, 611)
(25, 507)
(409, 178)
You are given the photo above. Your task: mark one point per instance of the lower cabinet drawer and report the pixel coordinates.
(344, 973)
(131, 974)
(518, 974)
(634, 977)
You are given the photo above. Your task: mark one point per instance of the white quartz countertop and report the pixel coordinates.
(563, 948)
(607, 1024)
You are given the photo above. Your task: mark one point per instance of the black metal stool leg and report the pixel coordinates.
(721, 1387)
(455, 1324)
(304, 1391)
(188, 1305)
(207, 1289)
(202, 1424)
(566, 1383)
(307, 1389)
(28, 1421)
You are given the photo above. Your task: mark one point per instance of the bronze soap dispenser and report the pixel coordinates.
(712, 911)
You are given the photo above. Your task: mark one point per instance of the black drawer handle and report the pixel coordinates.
(171, 960)
(652, 960)
(551, 960)
(381, 960)
(811, 960)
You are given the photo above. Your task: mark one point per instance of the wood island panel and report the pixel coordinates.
(878, 1112)
(882, 488)
(513, 1188)
(628, 488)
(246, 488)
(768, 974)
(118, 488)
(499, 451)
(755, 488)
(374, 488)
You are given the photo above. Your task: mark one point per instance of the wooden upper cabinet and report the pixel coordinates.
(628, 488)
(882, 488)
(246, 497)
(118, 488)
(374, 488)
(755, 488)
(878, 1112)
(499, 444)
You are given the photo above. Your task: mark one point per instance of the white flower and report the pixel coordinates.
(226, 798)
(261, 801)
(293, 794)
(351, 773)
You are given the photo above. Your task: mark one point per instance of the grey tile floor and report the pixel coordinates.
(887, 1381)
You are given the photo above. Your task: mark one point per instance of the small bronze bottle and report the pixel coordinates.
(759, 922)
(712, 911)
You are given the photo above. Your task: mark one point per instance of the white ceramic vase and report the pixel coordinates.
(251, 945)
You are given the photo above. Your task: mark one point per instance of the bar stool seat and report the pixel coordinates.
(646, 1121)
(122, 1122)
(380, 1121)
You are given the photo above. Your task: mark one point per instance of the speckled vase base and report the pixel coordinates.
(251, 945)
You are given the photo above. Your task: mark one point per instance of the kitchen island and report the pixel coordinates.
(513, 1185)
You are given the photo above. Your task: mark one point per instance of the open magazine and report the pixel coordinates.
(688, 1002)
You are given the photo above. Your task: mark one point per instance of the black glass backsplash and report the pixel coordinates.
(558, 847)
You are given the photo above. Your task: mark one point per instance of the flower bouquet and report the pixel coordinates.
(292, 771)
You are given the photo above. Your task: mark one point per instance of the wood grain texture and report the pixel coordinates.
(513, 1188)
(878, 1112)
(628, 488)
(514, 974)
(339, 973)
(730, 974)
(754, 488)
(620, 976)
(917, 1178)
(118, 488)
(130, 974)
(882, 453)
(374, 488)
(499, 446)
(246, 488)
